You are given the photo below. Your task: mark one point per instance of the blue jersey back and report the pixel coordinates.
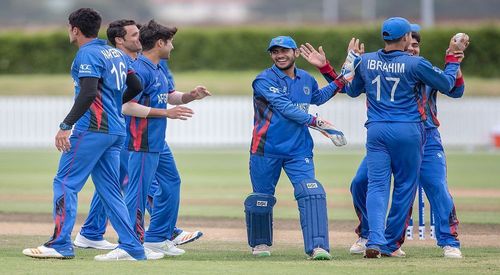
(392, 90)
(98, 60)
(148, 134)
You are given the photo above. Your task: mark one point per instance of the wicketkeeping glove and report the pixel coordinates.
(328, 130)
(348, 69)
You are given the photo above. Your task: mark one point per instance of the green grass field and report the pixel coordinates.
(218, 82)
(215, 183)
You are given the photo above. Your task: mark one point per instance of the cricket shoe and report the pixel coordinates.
(43, 252)
(166, 247)
(372, 253)
(398, 254)
(359, 246)
(116, 254)
(319, 254)
(181, 237)
(452, 252)
(261, 250)
(82, 242)
(151, 255)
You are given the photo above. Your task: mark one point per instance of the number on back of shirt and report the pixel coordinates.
(120, 75)
(395, 81)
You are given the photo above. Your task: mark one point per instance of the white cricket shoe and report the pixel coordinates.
(117, 254)
(151, 255)
(261, 250)
(186, 237)
(320, 254)
(359, 246)
(452, 252)
(166, 247)
(43, 252)
(397, 254)
(82, 242)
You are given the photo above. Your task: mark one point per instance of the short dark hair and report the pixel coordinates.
(389, 42)
(152, 32)
(416, 36)
(117, 29)
(87, 20)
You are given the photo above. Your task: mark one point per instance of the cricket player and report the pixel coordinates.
(433, 164)
(432, 176)
(99, 73)
(150, 156)
(394, 82)
(281, 140)
(123, 35)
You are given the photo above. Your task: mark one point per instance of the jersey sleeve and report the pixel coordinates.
(279, 101)
(356, 87)
(320, 96)
(434, 77)
(90, 65)
(458, 90)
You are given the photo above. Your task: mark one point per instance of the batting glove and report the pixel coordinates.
(328, 130)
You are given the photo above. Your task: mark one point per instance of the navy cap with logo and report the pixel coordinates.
(395, 27)
(282, 41)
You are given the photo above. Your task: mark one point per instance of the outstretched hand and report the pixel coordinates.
(356, 47)
(314, 57)
(200, 92)
(179, 112)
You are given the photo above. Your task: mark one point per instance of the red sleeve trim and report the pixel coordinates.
(459, 82)
(451, 59)
(327, 68)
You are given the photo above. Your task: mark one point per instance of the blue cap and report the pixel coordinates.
(415, 27)
(282, 41)
(395, 27)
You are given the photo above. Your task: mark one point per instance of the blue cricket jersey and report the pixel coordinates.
(166, 70)
(148, 134)
(281, 106)
(97, 59)
(394, 83)
(431, 108)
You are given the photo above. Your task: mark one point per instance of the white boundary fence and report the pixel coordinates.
(29, 122)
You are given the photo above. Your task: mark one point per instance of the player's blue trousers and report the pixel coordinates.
(392, 148)
(265, 173)
(143, 169)
(94, 154)
(433, 180)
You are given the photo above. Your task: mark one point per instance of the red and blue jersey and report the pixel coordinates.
(281, 106)
(431, 108)
(148, 134)
(98, 60)
(394, 83)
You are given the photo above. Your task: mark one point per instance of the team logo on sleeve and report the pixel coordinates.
(307, 90)
(274, 90)
(85, 69)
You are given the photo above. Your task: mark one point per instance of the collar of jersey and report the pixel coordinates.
(392, 53)
(281, 74)
(95, 41)
(148, 62)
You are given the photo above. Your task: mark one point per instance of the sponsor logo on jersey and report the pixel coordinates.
(274, 90)
(303, 106)
(261, 203)
(311, 185)
(307, 90)
(385, 67)
(85, 69)
(306, 160)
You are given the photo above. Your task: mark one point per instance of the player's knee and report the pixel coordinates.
(309, 188)
(259, 218)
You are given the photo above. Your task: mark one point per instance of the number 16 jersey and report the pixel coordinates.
(96, 59)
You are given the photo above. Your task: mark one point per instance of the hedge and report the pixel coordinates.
(245, 48)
